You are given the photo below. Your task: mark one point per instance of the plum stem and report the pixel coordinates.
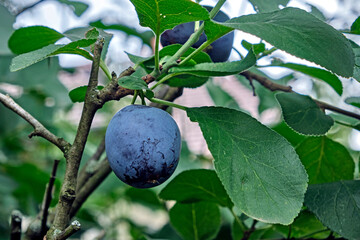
(164, 102)
(157, 57)
(134, 97)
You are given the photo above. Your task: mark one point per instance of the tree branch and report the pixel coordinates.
(102, 171)
(70, 230)
(88, 170)
(91, 105)
(48, 198)
(278, 87)
(39, 129)
(16, 218)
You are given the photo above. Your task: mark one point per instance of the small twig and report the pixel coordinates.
(48, 198)
(88, 170)
(248, 232)
(289, 233)
(278, 87)
(102, 171)
(16, 218)
(69, 231)
(168, 93)
(39, 129)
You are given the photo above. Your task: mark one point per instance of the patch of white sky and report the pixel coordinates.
(55, 15)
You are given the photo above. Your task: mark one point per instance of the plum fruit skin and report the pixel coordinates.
(219, 50)
(142, 145)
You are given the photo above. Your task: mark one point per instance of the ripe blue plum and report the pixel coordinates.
(219, 51)
(142, 145)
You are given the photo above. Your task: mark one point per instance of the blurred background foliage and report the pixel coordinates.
(42, 89)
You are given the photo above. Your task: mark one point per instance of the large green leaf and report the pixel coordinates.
(30, 58)
(303, 115)
(317, 73)
(293, 137)
(7, 20)
(325, 160)
(337, 206)
(300, 34)
(196, 220)
(160, 15)
(267, 6)
(196, 185)
(218, 69)
(355, 101)
(356, 49)
(259, 169)
(28, 39)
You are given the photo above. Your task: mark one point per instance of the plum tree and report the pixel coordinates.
(142, 145)
(219, 50)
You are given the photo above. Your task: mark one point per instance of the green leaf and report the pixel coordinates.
(325, 160)
(220, 97)
(92, 34)
(7, 20)
(317, 73)
(258, 48)
(355, 27)
(218, 69)
(134, 81)
(300, 34)
(196, 185)
(306, 223)
(259, 169)
(267, 6)
(284, 130)
(337, 206)
(145, 197)
(78, 7)
(196, 220)
(303, 115)
(28, 39)
(317, 13)
(355, 101)
(78, 94)
(356, 49)
(161, 15)
(214, 31)
(144, 36)
(76, 34)
(30, 58)
(236, 232)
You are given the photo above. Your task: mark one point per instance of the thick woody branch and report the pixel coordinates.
(91, 105)
(39, 129)
(278, 87)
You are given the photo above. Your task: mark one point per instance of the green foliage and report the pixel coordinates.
(320, 156)
(253, 162)
(196, 220)
(300, 29)
(260, 175)
(22, 40)
(196, 185)
(161, 15)
(267, 6)
(355, 101)
(317, 73)
(303, 115)
(218, 69)
(336, 205)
